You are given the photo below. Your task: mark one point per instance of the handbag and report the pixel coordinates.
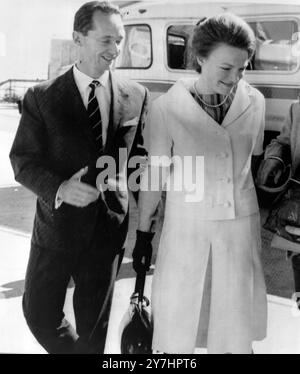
(285, 211)
(136, 336)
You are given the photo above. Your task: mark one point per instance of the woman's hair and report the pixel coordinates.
(225, 28)
(83, 21)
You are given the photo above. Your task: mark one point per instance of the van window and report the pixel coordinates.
(275, 45)
(137, 49)
(178, 46)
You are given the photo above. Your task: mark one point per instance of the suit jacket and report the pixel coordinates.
(225, 188)
(287, 144)
(54, 141)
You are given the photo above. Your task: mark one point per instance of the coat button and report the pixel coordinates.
(225, 179)
(227, 204)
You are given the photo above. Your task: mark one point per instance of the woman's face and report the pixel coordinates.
(222, 69)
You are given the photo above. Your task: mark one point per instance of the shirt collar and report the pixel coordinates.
(84, 80)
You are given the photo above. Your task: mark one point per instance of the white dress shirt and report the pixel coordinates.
(103, 95)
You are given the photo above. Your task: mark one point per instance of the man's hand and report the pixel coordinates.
(77, 193)
(142, 251)
(269, 167)
(293, 230)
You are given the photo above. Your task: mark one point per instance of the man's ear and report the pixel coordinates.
(199, 60)
(77, 37)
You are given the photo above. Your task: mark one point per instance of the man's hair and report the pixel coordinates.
(83, 21)
(221, 29)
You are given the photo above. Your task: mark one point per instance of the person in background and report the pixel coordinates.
(281, 152)
(79, 231)
(208, 287)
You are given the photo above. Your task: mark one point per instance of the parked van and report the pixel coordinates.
(156, 51)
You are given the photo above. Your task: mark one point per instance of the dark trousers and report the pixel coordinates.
(47, 279)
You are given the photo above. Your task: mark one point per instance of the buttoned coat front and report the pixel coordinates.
(212, 220)
(181, 128)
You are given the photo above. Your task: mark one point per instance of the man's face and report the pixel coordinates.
(101, 45)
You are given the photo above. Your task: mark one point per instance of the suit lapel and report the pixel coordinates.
(76, 113)
(118, 95)
(74, 107)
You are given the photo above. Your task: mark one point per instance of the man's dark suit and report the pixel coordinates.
(52, 143)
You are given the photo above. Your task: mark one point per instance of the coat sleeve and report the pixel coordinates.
(28, 154)
(258, 148)
(138, 147)
(281, 146)
(159, 144)
(157, 135)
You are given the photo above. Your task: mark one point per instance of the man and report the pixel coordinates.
(281, 152)
(67, 125)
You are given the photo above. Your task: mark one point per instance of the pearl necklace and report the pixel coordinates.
(210, 105)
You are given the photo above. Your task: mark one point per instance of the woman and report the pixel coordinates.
(208, 286)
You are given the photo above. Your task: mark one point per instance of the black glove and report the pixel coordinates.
(142, 251)
(269, 168)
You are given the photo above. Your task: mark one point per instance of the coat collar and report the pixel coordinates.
(180, 92)
(240, 103)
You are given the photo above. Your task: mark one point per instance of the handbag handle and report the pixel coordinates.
(295, 180)
(140, 285)
(283, 186)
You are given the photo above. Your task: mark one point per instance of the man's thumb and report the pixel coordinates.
(80, 173)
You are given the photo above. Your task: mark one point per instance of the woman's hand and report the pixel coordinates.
(142, 251)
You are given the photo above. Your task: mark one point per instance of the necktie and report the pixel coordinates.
(95, 116)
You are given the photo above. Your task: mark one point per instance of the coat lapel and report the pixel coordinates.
(239, 105)
(179, 93)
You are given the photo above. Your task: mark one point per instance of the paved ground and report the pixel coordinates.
(16, 217)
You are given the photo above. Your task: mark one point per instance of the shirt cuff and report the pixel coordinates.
(58, 199)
